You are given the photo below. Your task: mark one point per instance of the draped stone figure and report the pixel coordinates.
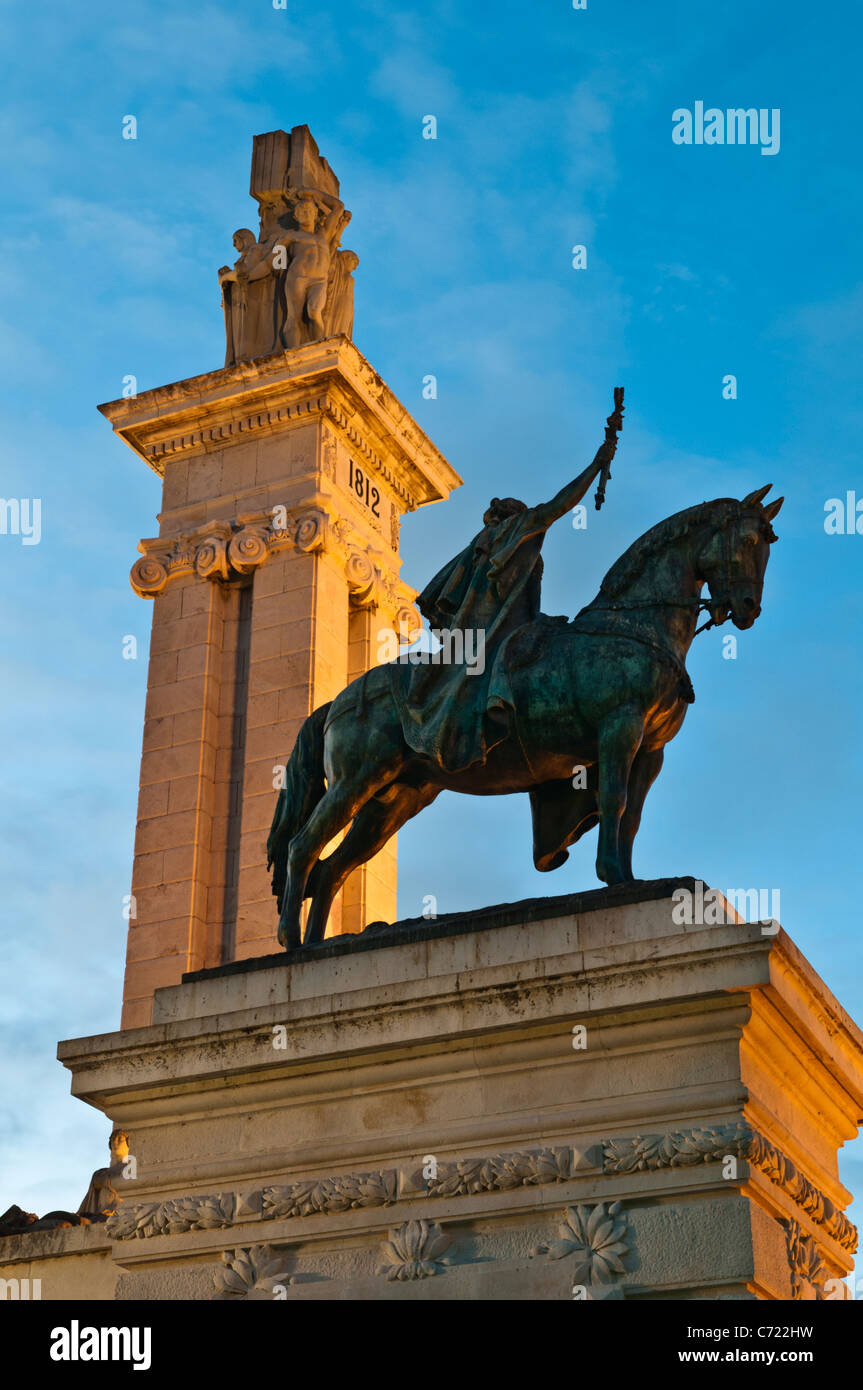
(100, 1200)
(247, 299)
(340, 294)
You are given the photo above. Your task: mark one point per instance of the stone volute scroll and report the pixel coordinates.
(292, 284)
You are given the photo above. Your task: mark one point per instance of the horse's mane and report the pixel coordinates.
(628, 567)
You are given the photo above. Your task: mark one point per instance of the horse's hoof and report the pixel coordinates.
(285, 937)
(610, 873)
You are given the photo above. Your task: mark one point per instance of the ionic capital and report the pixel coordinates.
(228, 551)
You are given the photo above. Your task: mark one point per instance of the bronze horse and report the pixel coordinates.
(599, 697)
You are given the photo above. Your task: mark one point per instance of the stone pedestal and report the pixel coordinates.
(565, 1097)
(275, 571)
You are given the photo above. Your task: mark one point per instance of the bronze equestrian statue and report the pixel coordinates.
(598, 697)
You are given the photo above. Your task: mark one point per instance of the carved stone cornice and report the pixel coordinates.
(228, 551)
(808, 1271)
(175, 1216)
(359, 445)
(776, 1166)
(684, 1148)
(268, 420)
(226, 430)
(495, 1173)
(330, 1194)
(328, 379)
(501, 1173)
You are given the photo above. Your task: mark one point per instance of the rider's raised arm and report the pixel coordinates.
(570, 495)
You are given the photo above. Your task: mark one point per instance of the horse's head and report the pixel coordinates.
(735, 557)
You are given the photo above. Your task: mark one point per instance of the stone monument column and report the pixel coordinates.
(275, 570)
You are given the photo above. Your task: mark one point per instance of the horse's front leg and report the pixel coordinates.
(620, 735)
(646, 767)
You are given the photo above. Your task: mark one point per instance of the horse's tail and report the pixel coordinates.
(304, 786)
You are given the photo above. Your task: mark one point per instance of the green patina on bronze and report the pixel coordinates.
(577, 714)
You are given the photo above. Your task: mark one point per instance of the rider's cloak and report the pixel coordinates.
(492, 587)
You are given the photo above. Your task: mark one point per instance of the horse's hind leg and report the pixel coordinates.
(352, 778)
(361, 756)
(333, 812)
(374, 825)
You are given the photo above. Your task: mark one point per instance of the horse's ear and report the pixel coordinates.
(772, 509)
(757, 496)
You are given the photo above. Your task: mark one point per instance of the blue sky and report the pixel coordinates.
(554, 129)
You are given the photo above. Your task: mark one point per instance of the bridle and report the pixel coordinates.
(699, 604)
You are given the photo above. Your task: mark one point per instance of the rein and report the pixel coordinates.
(647, 603)
(698, 603)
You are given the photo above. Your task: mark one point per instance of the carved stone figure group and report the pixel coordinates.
(290, 285)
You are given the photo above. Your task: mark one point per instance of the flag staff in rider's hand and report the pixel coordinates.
(613, 424)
